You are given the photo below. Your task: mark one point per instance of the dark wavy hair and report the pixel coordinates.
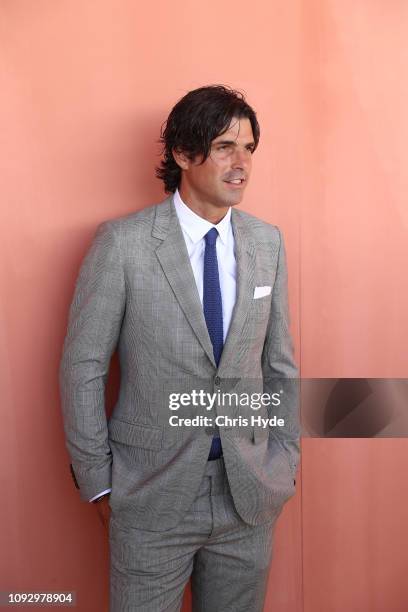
(193, 123)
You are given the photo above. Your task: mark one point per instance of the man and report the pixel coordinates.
(193, 292)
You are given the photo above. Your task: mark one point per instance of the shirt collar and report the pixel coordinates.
(195, 226)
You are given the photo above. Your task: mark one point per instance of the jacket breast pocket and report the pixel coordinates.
(259, 313)
(134, 434)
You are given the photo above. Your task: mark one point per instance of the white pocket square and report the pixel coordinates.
(261, 292)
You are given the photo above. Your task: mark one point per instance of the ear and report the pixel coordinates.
(181, 159)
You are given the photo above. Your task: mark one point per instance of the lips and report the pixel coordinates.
(235, 186)
(236, 181)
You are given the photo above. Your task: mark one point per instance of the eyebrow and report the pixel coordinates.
(232, 142)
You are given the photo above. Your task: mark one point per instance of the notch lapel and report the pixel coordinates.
(246, 261)
(173, 257)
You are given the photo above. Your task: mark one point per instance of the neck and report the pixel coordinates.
(208, 211)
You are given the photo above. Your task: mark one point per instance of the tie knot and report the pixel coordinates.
(211, 237)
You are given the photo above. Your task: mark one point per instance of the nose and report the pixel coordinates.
(241, 158)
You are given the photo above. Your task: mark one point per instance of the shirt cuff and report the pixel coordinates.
(100, 494)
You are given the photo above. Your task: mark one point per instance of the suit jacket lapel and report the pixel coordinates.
(246, 260)
(175, 262)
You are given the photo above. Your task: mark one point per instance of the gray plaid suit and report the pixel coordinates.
(136, 291)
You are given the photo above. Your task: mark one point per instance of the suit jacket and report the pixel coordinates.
(136, 291)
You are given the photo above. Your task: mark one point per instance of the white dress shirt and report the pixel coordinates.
(194, 229)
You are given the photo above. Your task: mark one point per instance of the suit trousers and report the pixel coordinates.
(227, 559)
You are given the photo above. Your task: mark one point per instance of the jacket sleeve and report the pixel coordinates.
(280, 374)
(94, 324)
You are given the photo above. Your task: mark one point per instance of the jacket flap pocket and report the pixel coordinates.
(144, 436)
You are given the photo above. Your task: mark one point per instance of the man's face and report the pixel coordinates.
(215, 182)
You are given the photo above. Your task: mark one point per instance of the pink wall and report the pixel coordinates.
(84, 92)
(354, 296)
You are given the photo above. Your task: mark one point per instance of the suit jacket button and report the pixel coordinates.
(217, 381)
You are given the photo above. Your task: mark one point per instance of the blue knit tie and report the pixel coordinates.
(212, 304)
